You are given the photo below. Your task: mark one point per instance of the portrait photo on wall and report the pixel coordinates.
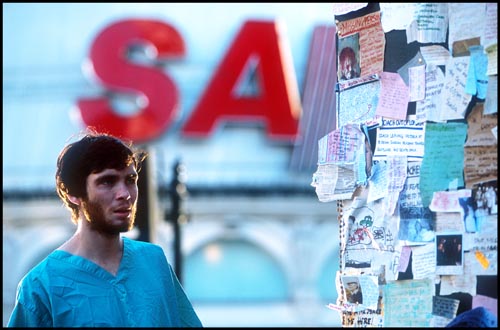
(416, 224)
(485, 198)
(352, 290)
(482, 205)
(449, 253)
(348, 59)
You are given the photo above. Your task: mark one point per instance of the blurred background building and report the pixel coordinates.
(256, 246)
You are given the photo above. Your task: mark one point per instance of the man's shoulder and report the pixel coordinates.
(142, 246)
(39, 273)
(145, 252)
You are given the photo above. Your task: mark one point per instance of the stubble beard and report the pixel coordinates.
(95, 216)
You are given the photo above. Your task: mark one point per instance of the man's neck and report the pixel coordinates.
(106, 250)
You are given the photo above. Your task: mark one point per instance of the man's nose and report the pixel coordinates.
(123, 192)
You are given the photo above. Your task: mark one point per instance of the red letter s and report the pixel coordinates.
(108, 57)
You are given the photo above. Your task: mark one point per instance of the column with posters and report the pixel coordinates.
(412, 163)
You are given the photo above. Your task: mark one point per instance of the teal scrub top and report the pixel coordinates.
(66, 290)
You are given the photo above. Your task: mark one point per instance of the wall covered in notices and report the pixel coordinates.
(412, 163)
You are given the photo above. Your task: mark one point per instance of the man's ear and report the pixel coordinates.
(74, 200)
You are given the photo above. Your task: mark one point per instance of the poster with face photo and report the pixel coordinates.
(449, 253)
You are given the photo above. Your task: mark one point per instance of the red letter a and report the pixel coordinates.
(277, 102)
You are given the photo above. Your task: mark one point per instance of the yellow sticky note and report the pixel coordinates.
(482, 259)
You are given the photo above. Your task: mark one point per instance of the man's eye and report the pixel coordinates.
(106, 181)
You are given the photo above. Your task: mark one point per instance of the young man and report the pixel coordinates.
(98, 278)
(354, 295)
(348, 67)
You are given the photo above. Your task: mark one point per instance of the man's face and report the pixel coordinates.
(111, 202)
(346, 68)
(352, 286)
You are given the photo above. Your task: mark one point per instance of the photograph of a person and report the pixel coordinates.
(416, 224)
(348, 60)
(449, 250)
(353, 292)
(485, 198)
(469, 215)
(482, 204)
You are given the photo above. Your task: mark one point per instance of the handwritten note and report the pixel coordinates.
(429, 107)
(341, 146)
(410, 304)
(446, 307)
(365, 318)
(394, 96)
(341, 163)
(455, 99)
(358, 104)
(444, 158)
(490, 32)
(483, 256)
(480, 164)
(396, 16)
(491, 102)
(371, 290)
(430, 23)
(424, 261)
(435, 54)
(450, 221)
(396, 178)
(492, 53)
(378, 181)
(479, 127)
(417, 83)
(463, 25)
(387, 180)
(347, 7)
(329, 187)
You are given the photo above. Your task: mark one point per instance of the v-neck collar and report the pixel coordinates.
(91, 266)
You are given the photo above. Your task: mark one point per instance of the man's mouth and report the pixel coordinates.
(123, 211)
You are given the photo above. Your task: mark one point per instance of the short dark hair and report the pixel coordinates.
(345, 53)
(93, 153)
